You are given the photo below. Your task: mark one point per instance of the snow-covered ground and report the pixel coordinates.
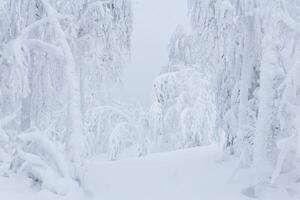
(184, 175)
(193, 174)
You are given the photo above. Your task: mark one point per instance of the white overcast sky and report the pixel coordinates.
(154, 23)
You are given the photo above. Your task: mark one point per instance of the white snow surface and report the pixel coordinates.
(192, 174)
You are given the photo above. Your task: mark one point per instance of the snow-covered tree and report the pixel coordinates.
(52, 54)
(257, 47)
(278, 41)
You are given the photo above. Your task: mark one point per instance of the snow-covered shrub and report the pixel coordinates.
(100, 123)
(32, 154)
(122, 136)
(189, 130)
(6, 149)
(113, 129)
(37, 158)
(185, 100)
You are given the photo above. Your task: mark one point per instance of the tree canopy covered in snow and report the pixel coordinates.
(247, 51)
(57, 60)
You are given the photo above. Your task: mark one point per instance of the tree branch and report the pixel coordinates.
(91, 6)
(44, 45)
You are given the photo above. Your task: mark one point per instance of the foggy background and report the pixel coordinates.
(154, 23)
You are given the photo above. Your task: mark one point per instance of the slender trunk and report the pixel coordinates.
(267, 93)
(25, 113)
(245, 85)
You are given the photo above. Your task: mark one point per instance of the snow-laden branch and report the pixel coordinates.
(286, 18)
(7, 119)
(26, 31)
(36, 168)
(46, 145)
(3, 122)
(46, 20)
(50, 48)
(23, 38)
(92, 6)
(120, 135)
(102, 109)
(32, 160)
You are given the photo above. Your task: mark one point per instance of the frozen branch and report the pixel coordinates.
(92, 6)
(50, 48)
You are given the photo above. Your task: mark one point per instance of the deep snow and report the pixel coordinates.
(184, 175)
(192, 174)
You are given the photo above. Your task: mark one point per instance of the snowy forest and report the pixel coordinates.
(222, 118)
